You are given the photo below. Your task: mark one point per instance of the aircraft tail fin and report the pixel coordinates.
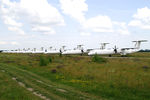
(103, 45)
(138, 43)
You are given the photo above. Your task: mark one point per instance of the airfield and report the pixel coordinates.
(74, 77)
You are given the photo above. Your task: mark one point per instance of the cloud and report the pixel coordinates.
(3, 43)
(17, 30)
(141, 19)
(104, 24)
(14, 43)
(10, 21)
(121, 28)
(74, 8)
(9, 43)
(34, 13)
(43, 29)
(99, 24)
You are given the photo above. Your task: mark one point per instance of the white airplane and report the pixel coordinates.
(125, 51)
(78, 50)
(122, 51)
(52, 51)
(10, 51)
(38, 51)
(24, 51)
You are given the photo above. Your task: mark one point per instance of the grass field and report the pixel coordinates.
(74, 77)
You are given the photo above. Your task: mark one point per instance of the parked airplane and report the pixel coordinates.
(55, 51)
(38, 51)
(78, 50)
(125, 51)
(52, 51)
(115, 50)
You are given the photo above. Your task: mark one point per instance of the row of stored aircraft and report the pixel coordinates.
(79, 50)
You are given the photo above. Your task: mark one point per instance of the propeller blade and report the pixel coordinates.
(115, 49)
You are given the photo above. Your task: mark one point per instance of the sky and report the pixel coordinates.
(45, 23)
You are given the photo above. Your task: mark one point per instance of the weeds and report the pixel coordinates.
(98, 59)
(50, 59)
(43, 61)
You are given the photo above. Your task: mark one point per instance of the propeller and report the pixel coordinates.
(115, 49)
(82, 51)
(60, 51)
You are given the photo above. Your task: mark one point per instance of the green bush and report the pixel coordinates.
(98, 59)
(50, 59)
(60, 54)
(43, 61)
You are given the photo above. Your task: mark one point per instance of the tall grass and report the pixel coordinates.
(44, 61)
(98, 59)
(118, 79)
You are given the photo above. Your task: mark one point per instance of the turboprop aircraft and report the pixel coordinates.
(24, 51)
(78, 50)
(125, 51)
(52, 51)
(55, 51)
(38, 51)
(115, 50)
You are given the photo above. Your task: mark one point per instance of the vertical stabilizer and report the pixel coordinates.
(79, 47)
(50, 48)
(103, 45)
(138, 43)
(63, 48)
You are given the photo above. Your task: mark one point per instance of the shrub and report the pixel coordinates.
(50, 59)
(98, 59)
(43, 61)
(60, 54)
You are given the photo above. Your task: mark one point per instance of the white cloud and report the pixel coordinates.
(17, 30)
(41, 12)
(9, 43)
(14, 43)
(10, 21)
(3, 43)
(143, 14)
(141, 19)
(99, 24)
(104, 24)
(121, 28)
(74, 8)
(33, 12)
(135, 23)
(43, 29)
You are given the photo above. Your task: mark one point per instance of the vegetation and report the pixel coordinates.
(147, 50)
(78, 77)
(44, 61)
(10, 90)
(98, 59)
